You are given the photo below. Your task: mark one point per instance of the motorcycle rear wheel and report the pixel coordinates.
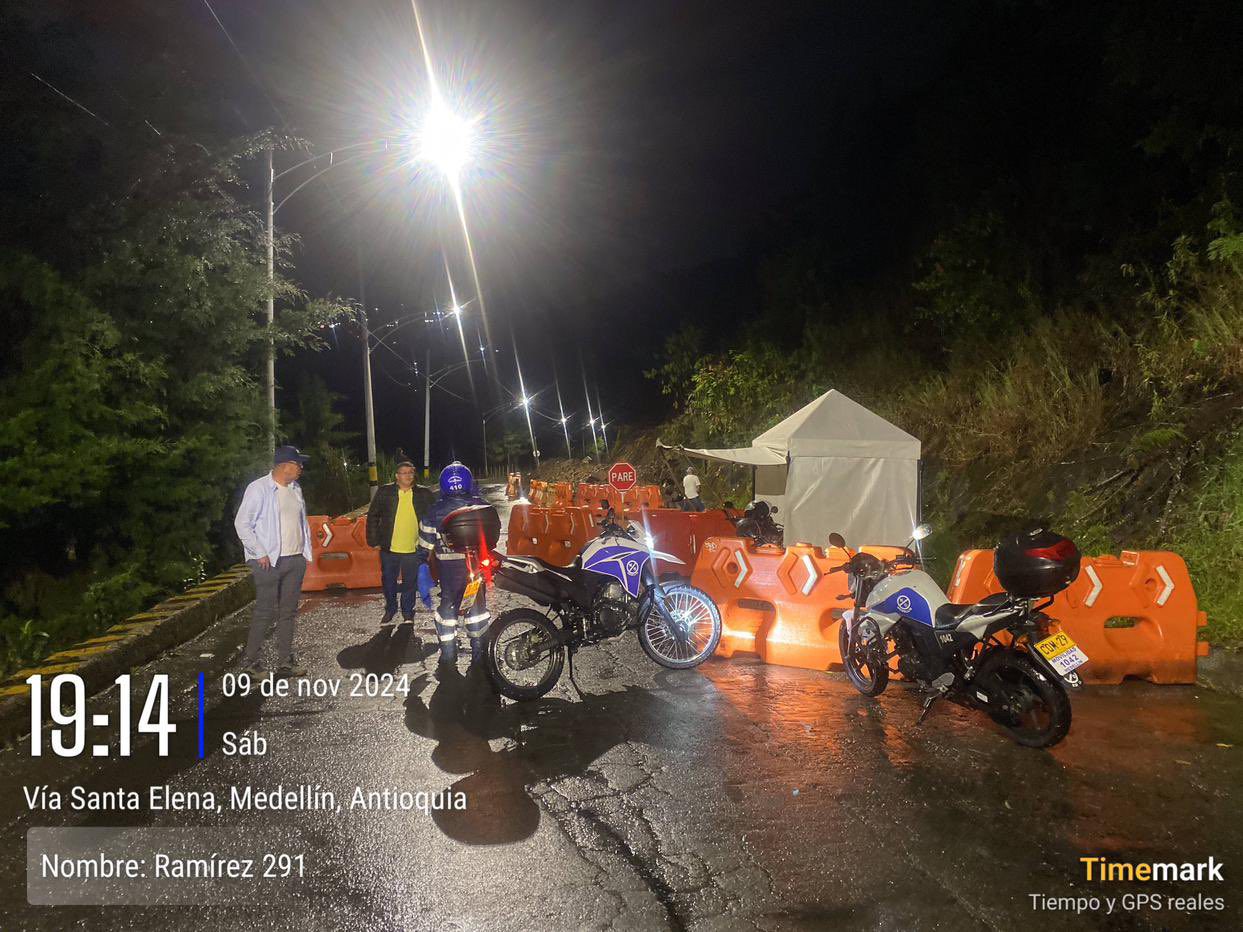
(860, 673)
(1038, 709)
(699, 631)
(524, 654)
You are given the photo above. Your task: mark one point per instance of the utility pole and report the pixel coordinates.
(427, 416)
(485, 446)
(373, 477)
(270, 373)
(603, 430)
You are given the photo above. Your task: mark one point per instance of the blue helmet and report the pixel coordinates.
(455, 479)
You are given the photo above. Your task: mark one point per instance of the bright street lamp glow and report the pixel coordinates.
(446, 140)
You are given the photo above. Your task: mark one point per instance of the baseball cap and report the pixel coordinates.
(288, 454)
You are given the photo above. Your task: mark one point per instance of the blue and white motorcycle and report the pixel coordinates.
(998, 655)
(611, 587)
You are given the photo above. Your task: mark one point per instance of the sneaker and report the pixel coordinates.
(389, 615)
(408, 619)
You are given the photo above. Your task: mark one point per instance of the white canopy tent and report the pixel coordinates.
(833, 465)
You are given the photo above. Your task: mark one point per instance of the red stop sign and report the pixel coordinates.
(622, 476)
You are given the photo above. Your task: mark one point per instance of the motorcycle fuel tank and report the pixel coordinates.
(912, 594)
(618, 557)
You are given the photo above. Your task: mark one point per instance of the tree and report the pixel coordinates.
(130, 413)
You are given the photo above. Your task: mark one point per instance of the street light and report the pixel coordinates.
(446, 140)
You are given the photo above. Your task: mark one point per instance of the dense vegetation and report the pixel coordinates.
(132, 285)
(1066, 337)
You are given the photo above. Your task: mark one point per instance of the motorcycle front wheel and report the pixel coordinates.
(1034, 710)
(870, 682)
(694, 635)
(524, 654)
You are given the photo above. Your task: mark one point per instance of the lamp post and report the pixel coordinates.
(445, 140)
(370, 147)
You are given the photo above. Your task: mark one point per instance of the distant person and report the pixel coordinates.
(393, 526)
(271, 524)
(690, 485)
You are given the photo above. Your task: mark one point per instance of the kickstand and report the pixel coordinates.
(927, 706)
(573, 682)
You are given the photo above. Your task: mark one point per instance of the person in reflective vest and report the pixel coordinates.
(457, 490)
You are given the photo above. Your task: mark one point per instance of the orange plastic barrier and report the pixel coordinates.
(590, 494)
(557, 535)
(1133, 615)
(782, 604)
(340, 556)
(642, 496)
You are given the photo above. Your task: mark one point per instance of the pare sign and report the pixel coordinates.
(623, 476)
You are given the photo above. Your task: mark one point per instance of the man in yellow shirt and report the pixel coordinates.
(393, 526)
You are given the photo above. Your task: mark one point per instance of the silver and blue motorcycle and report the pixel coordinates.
(997, 655)
(611, 587)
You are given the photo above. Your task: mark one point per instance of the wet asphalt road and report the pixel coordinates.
(735, 796)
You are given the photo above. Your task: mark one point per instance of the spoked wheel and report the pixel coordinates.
(524, 654)
(869, 677)
(694, 634)
(1032, 708)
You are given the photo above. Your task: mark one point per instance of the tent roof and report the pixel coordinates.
(747, 456)
(834, 425)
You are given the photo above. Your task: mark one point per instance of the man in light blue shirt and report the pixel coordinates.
(271, 524)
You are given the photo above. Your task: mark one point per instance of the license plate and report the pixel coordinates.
(1061, 652)
(468, 597)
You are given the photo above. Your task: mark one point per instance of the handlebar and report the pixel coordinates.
(906, 559)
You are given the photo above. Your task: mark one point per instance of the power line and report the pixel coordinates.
(246, 64)
(57, 91)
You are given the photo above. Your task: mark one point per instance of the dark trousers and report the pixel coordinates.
(277, 591)
(453, 580)
(392, 566)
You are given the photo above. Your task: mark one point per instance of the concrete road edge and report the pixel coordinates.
(135, 641)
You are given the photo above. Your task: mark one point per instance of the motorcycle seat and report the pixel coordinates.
(951, 615)
(573, 571)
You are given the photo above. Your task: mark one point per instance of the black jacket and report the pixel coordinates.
(383, 511)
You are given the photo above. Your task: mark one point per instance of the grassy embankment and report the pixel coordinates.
(1123, 430)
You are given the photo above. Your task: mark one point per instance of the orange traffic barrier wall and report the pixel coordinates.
(551, 494)
(558, 535)
(642, 496)
(1133, 615)
(555, 535)
(780, 603)
(590, 494)
(340, 556)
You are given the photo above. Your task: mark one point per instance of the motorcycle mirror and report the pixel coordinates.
(772, 509)
(836, 540)
(921, 531)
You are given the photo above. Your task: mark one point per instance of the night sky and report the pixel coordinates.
(637, 162)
